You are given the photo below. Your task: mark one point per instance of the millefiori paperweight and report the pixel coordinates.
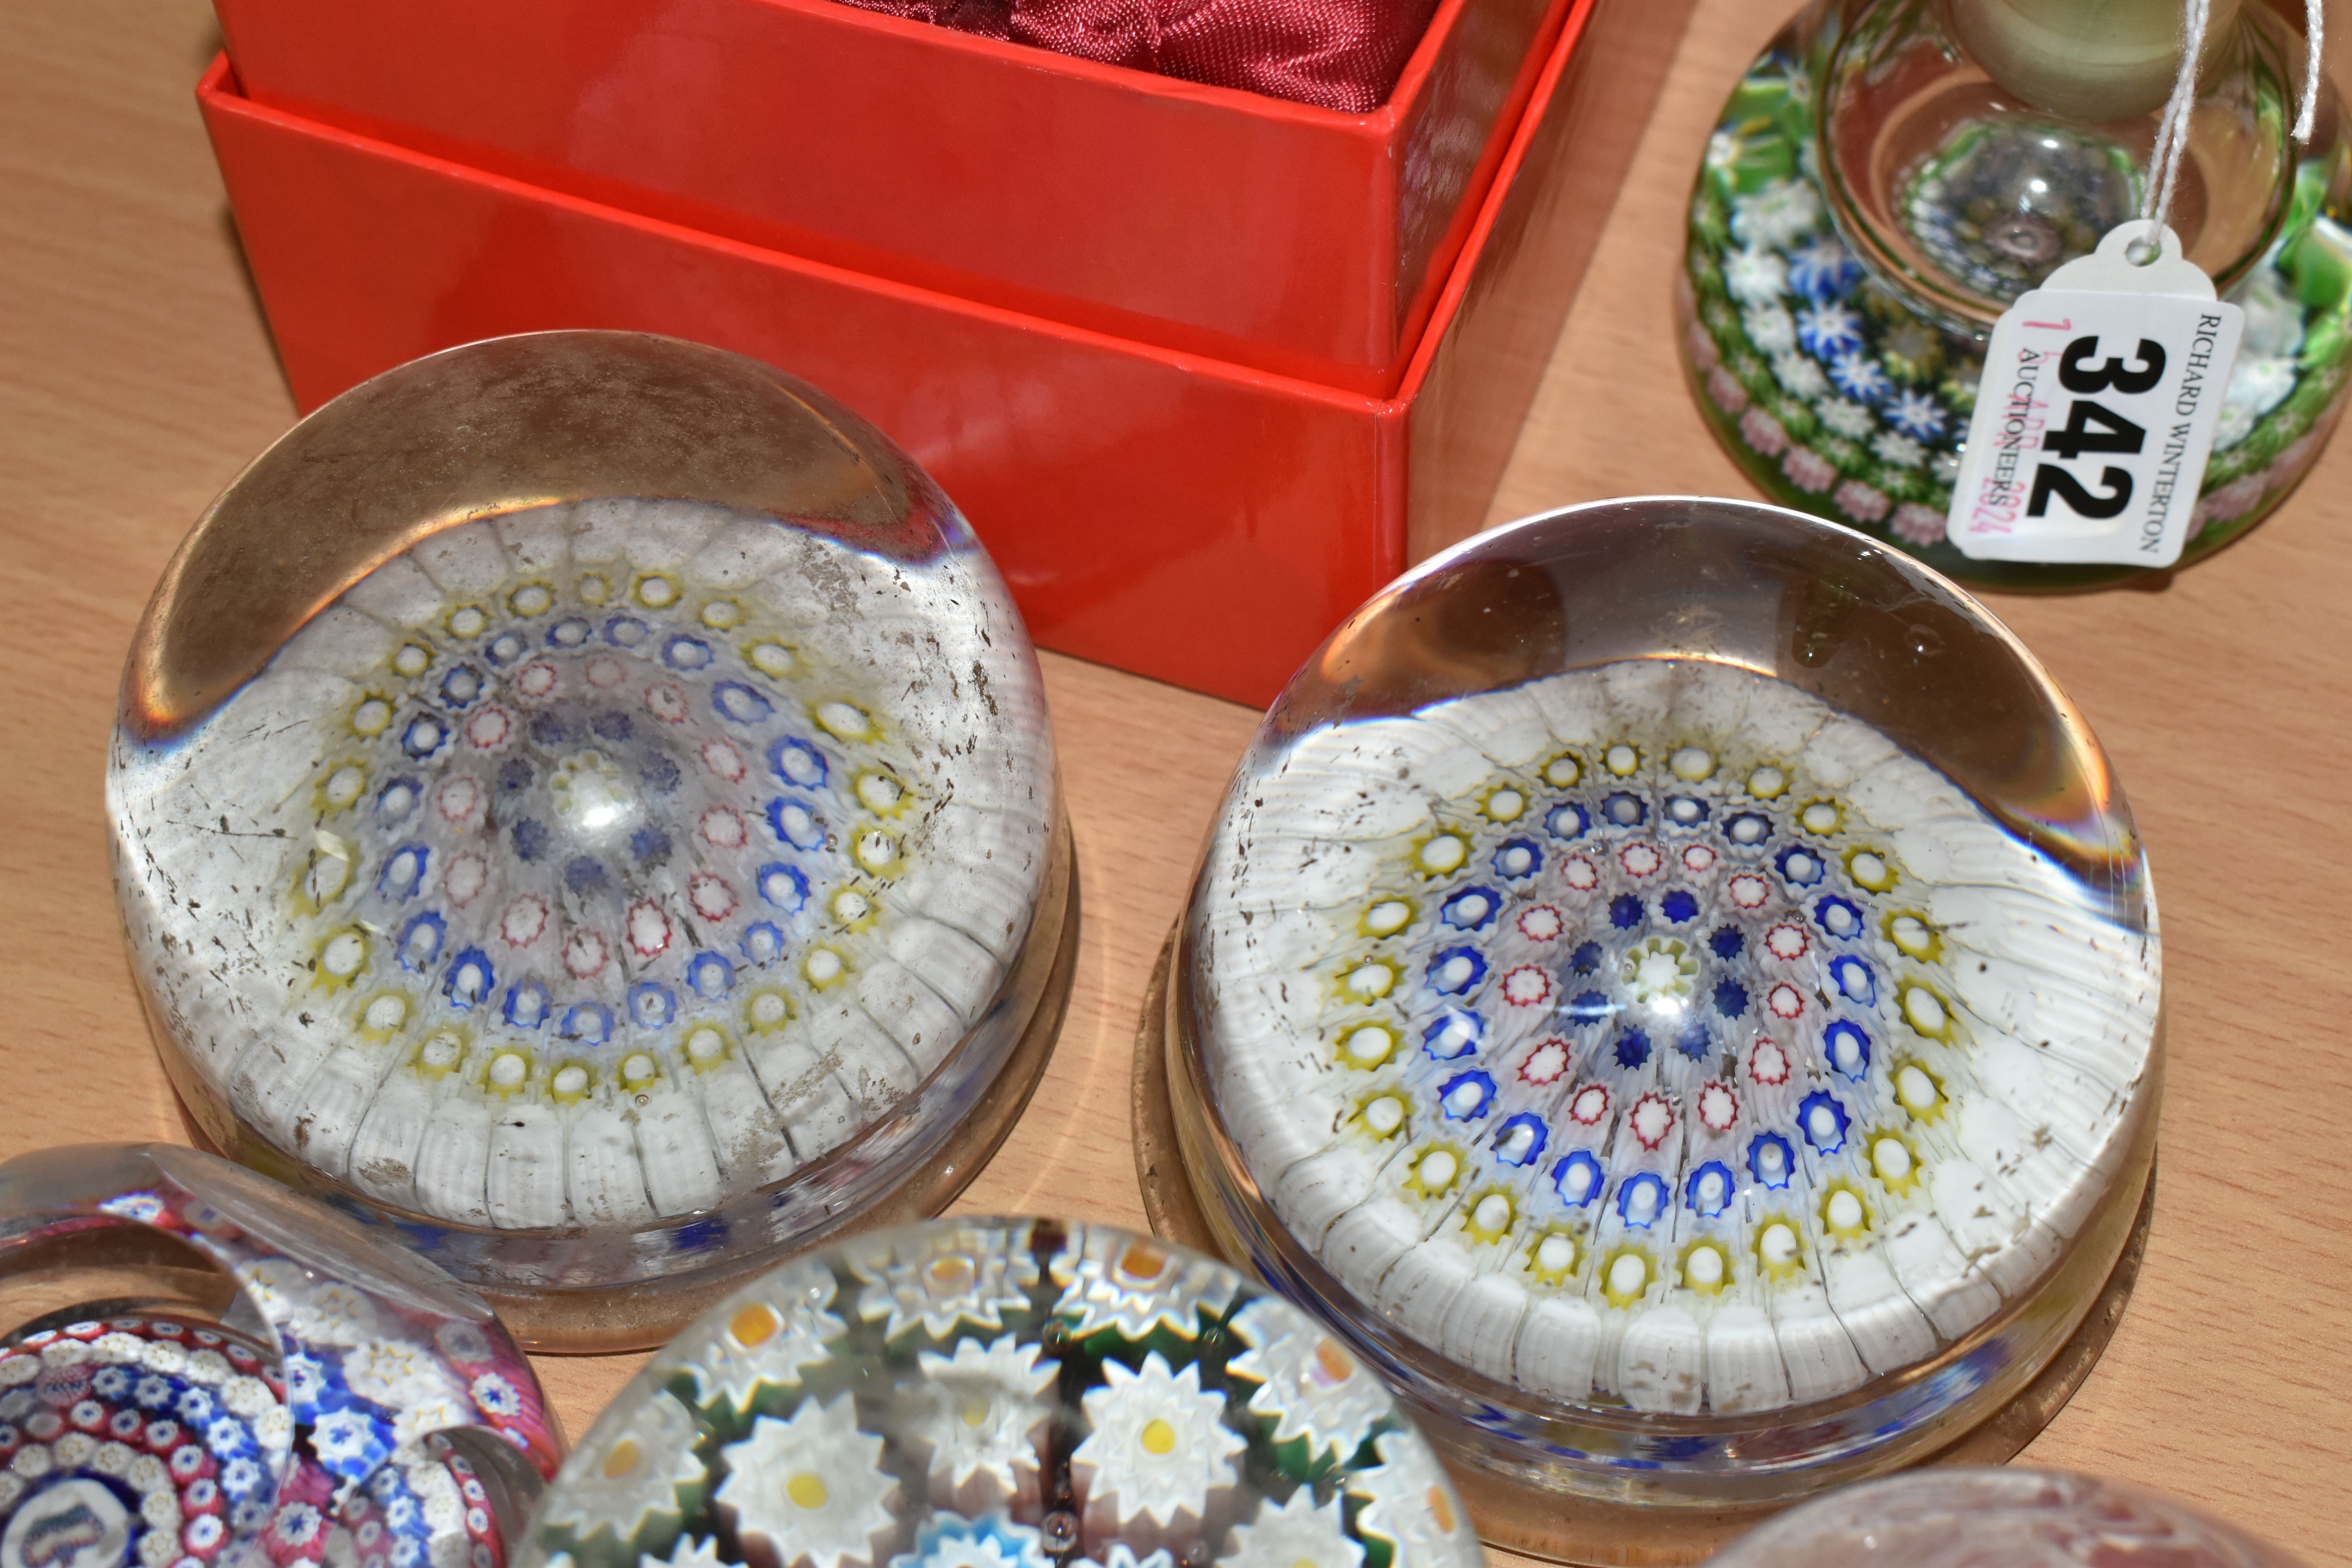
(200, 1369)
(1677, 987)
(589, 800)
(1891, 175)
(1997, 1519)
(1004, 1394)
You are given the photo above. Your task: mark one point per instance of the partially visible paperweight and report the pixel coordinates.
(1889, 175)
(588, 800)
(1997, 1519)
(1677, 987)
(1004, 1394)
(200, 1369)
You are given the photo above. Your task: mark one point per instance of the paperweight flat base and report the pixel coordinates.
(645, 1314)
(1584, 1531)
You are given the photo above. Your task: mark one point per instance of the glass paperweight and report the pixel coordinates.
(200, 1369)
(1004, 1394)
(1677, 987)
(1892, 174)
(1997, 1519)
(587, 800)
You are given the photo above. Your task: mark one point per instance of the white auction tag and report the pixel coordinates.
(2101, 393)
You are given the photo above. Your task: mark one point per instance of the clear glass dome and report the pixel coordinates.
(1970, 148)
(1013, 1394)
(590, 800)
(200, 1368)
(1997, 1519)
(1678, 986)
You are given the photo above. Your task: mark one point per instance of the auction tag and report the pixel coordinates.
(2102, 390)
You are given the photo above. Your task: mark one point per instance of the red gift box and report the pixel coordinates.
(1197, 520)
(1132, 205)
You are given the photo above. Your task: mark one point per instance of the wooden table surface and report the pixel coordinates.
(136, 377)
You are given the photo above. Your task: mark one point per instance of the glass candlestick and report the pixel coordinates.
(1892, 174)
(199, 1367)
(587, 800)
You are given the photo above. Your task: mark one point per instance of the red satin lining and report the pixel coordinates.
(1334, 54)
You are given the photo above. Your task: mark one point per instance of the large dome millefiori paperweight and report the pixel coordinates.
(1004, 1394)
(200, 1369)
(1678, 986)
(588, 799)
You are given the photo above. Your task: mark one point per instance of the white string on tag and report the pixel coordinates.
(2315, 36)
(2172, 129)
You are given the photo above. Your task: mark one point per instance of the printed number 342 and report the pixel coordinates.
(2093, 427)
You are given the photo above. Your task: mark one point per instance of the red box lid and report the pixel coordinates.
(1196, 520)
(1201, 219)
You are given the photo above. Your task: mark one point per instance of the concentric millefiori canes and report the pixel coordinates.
(596, 863)
(326, 1398)
(1652, 1035)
